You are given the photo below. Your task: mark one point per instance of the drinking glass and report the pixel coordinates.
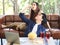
(42, 34)
(47, 34)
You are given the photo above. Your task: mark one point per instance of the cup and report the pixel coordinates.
(47, 34)
(42, 34)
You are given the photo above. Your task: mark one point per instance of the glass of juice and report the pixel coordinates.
(47, 34)
(42, 34)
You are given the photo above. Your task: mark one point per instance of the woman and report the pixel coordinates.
(34, 11)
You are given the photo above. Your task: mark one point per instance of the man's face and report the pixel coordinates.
(39, 17)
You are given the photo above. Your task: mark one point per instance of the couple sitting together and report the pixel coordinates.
(36, 21)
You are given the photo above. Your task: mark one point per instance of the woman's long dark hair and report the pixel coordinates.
(34, 14)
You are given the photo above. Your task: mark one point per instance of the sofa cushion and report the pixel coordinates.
(56, 34)
(54, 24)
(18, 26)
(53, 17)
(21, 26)
(9, 18)
(17, 18)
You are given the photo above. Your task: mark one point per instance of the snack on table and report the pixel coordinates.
(39, 41)
(32, 35)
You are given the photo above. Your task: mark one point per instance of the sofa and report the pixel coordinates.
(14, 22)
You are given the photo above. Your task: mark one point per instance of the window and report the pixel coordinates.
(1, 7)
(22, 4)
(9, 7)
(48, 6)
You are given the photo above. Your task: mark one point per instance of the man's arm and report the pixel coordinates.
(21, 15)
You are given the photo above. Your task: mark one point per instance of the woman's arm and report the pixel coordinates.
(27, 6)
(48, 25)
(21, 15)
(46, 21)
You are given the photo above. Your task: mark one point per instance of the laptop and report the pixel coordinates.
(12, 37)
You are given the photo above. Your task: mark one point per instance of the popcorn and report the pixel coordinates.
(32, 35)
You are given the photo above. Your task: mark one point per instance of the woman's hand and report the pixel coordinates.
(26, 7)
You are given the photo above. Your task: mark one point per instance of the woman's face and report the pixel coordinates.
(34, 6)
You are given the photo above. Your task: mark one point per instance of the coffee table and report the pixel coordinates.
(26, 41)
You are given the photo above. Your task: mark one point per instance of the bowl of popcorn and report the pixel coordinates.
(32, 35)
